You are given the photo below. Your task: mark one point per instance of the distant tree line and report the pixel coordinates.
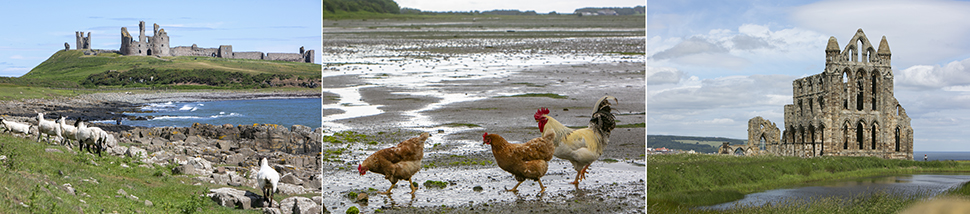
(142, 77)
(375, 6)
(671, 142)
(638, 10)
(472, 12)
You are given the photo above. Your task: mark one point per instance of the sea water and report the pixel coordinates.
(285, 112)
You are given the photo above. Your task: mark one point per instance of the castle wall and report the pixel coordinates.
(289, 57)
(247, 55)
(158, 45)
(193, 51)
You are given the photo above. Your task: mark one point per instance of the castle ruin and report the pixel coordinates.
(847, 110)
(158, 45)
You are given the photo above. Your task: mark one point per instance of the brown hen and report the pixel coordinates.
(397, 163)
(527, 160)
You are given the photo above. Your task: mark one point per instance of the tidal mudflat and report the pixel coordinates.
(388, 80)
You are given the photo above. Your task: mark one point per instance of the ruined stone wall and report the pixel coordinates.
(82, 41)
(247, 55)
(289, 57)
(193, 51)
(158, 45)
(849, 109)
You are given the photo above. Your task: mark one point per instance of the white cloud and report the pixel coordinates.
(17, 57)
(952, 77)
(918, 32)
(663, 75)
(751, 44)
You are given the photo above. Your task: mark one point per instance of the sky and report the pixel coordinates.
(540, 6)
(713, 65)
(33, 30)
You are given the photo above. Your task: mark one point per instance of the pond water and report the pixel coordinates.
(908, 185)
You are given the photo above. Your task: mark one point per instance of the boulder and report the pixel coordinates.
(235, 159)
(290, 189)
(313, 183)
(136, 152)
(297, 205)
(195, 140)
(291, 179)
(220, 179)
(239, 199)
(274, 210)
(117, 150)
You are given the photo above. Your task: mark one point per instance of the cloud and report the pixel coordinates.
(952, 76)
(919, 32)
(17, 57)
(663, 75)
(737, 50)
(693, 45)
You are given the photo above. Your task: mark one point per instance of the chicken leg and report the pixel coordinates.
(413, 187)
(543, 188)
(515, 189)
(581, 175)
(388, 189)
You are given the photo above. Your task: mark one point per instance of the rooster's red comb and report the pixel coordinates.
(540, 112)
(485, 135)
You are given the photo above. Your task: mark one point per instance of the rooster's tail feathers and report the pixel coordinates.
(603, 119)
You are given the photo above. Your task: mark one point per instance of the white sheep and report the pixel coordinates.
(15, 127)
(68, 131)
(47, 127)
(89, 136)
(267, 180)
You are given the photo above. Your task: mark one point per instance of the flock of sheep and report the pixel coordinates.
(92, 138)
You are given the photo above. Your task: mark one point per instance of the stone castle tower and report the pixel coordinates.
(847, 110)
(155, 45)
(82, 41)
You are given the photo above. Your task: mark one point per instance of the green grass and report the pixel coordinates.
(10, 91)
(33, 176)
(635, 125)
(683, 181)
(549, 95)
(72, 66)
(461, 125)
(435, 184)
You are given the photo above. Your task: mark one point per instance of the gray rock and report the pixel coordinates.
(136, 152)
(239, 199)
(290, 189)
(220, 179)
(177, 137)
(296, 205)
(121, 192)
(318, 199)
(274, 210)
(53, 150)
(201, 164)
(362, 197)
(69, 189)
(291, 179)
(149, 203)
(195, 140)
(118, 150)
(235, 159)
(187, 169)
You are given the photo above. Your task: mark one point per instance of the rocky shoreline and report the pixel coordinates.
(220, 155)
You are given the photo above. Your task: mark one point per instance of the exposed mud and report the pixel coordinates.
(457, 89)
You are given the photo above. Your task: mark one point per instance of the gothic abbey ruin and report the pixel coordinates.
(158, 45)
(847, 110)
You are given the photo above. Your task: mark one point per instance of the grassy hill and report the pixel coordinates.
(698, 144)
(68, 68)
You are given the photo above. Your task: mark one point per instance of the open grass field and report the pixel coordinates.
(72, 66)
(676, 183)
